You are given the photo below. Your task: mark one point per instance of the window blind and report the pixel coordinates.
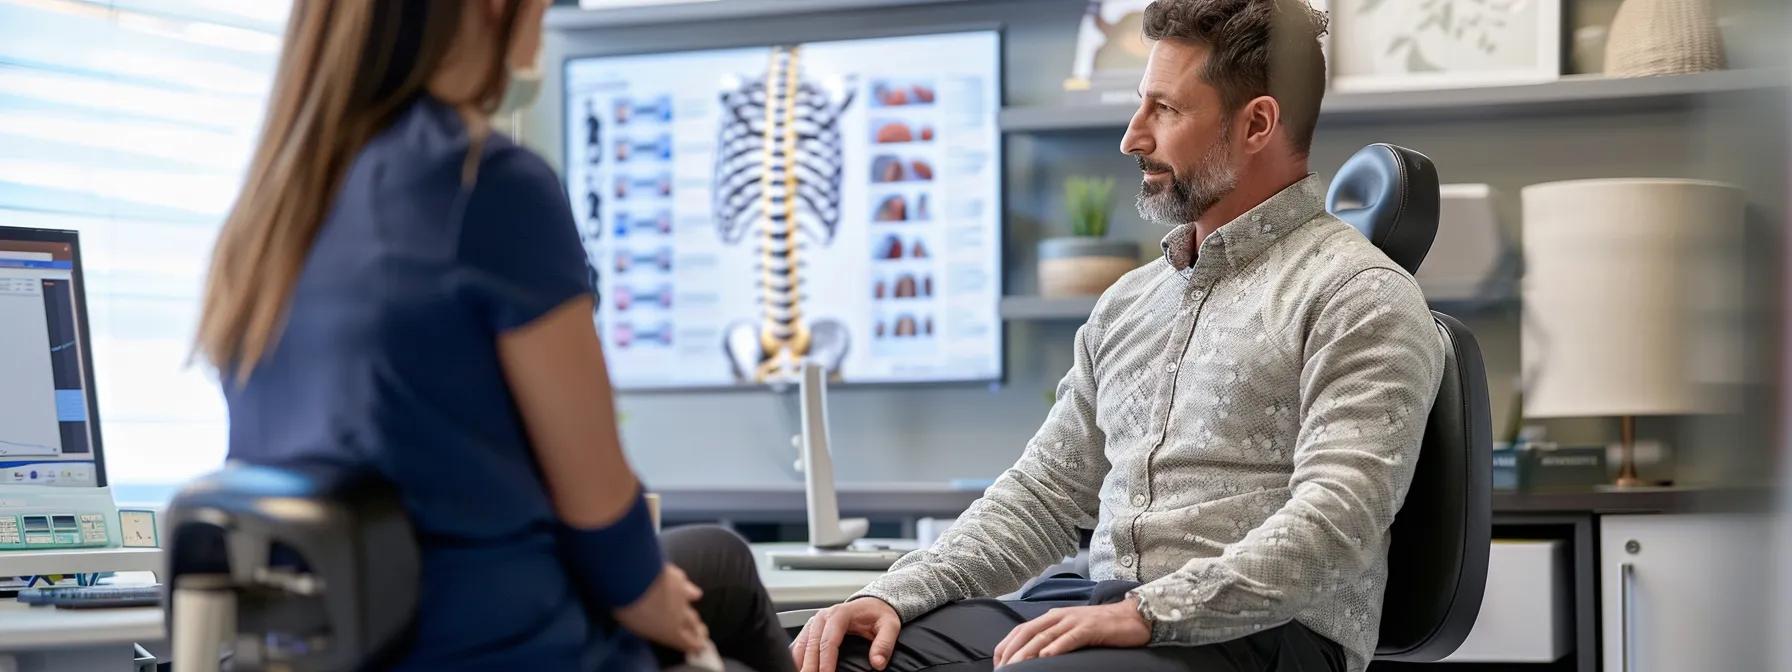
(132, 121)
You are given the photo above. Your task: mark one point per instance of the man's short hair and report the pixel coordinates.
(1258, 48)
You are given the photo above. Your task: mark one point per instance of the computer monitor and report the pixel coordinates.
(53, 493)
(49, 419)
(746, 210)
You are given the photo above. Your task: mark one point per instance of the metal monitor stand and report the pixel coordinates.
(826, 529)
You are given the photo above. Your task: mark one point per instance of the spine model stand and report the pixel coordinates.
(778, 173)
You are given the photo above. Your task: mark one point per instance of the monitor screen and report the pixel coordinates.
(48, 432)
(745, 210)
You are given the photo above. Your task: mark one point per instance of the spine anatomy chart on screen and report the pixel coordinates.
(777, 180)
(748, 210)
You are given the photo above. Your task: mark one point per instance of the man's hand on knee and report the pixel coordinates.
(817, 647)
(1067, 629)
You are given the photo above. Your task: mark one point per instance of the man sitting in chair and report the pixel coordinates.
(1240, 424)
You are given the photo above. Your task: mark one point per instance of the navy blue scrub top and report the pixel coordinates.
(389, 359)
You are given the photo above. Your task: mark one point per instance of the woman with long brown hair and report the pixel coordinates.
(398, 288)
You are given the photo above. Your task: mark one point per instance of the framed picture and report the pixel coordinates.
(1383, 45)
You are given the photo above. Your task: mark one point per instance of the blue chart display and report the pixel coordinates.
(745, 210)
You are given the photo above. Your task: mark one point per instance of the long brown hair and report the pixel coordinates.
(346, 69)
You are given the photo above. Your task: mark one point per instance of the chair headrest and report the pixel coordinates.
(1389, 194)
(342, 528)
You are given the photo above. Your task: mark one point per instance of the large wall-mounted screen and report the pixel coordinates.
(746, 209)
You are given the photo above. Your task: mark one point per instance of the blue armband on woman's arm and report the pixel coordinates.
(618, 562)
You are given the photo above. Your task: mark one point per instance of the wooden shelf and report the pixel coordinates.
(575, 18)
(1578, 94)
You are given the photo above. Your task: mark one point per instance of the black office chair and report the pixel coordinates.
(1437, 561)
(295, 569)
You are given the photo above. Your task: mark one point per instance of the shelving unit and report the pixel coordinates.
(575, 18)
(1579, 94)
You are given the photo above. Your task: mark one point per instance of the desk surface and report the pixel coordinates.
(1637, 500)
(83, 560)
(791, 589)
(24, 628)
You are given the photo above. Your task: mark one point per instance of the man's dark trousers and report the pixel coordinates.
(962, 637)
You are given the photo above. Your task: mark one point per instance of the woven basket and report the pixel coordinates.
(1663, 37)
(1083, 266)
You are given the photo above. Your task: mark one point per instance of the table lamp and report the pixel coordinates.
(1625, 301)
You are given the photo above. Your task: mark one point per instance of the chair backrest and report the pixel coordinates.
(1437, 558)
(322, 563)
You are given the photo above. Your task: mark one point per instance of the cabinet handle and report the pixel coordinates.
(1626, 605)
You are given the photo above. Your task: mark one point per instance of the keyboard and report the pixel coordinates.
(95, 597)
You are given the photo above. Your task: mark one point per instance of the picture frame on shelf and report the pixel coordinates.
(1395, 45)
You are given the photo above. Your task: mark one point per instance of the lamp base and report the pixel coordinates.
(1627, 482)
(1627, 477)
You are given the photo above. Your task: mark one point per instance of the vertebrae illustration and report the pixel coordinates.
(778, 172)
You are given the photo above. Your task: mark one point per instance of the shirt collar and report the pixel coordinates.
(1239, 241)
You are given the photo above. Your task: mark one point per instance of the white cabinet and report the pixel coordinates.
(1684, 592)
(1525, 617)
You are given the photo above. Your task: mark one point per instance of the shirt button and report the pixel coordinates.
(1126, 560)
(1138, 499)
(1171, 367)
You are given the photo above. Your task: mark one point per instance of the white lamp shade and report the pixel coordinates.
(1626, 298)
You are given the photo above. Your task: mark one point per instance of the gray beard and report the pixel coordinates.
(1185, 200)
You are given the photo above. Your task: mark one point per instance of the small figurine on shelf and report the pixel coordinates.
(1110, 48)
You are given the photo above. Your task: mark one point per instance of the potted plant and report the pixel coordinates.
(1086, 262)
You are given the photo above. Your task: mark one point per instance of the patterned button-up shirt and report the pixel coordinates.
(1239, 426)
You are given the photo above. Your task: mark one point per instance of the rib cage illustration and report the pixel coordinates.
(777, 176)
